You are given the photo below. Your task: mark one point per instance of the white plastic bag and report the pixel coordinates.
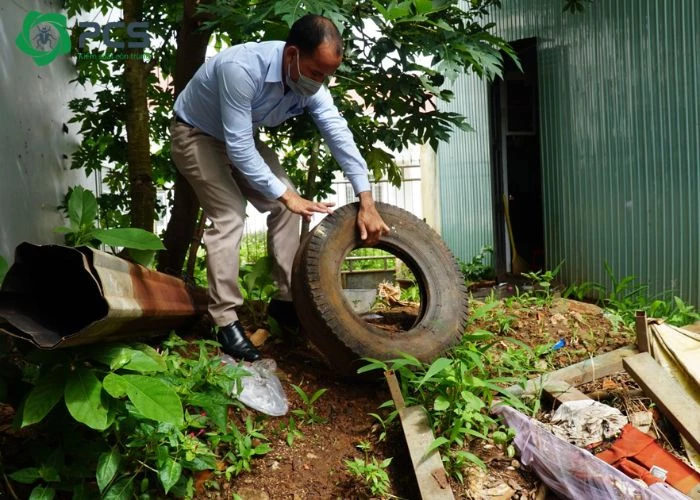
(262, 390)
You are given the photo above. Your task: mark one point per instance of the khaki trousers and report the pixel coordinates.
(222, 192)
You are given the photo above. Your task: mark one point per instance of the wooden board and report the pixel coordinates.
(563, 391)
(580, 373)
(663, 389)
(430, 472)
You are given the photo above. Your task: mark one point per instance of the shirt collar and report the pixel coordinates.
(274, 70)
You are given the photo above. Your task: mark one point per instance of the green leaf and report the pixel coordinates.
(121, 490)
(107, 467)
(144, 258)
(169, 474)
(436, 444)
(436, 367)
(441, 403)
(83, 393)
(137, 358)
(82, 208)
(42, 493)
(129, 237)
(374, 364)
(43, 397)
(114, 385)
(153, 398)
(26, 476)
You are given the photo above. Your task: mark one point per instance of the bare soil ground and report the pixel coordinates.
(313, 467)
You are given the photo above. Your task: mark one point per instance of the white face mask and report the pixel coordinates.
(304, 86)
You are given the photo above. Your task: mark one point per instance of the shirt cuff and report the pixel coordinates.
(276, 188)
(360, 183)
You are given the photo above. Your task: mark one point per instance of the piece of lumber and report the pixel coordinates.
(430, 472)
(581, 372)
(563, 391)
(640, 328)
(663, 389)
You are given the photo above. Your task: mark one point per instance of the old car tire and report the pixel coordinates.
(329, 321)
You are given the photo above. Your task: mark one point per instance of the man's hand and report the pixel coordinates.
(370, 223)
(305, 208)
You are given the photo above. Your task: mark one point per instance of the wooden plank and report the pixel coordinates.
(563, 391)
(663, 389)
(581, 372)
(430, 473)
(640, 328)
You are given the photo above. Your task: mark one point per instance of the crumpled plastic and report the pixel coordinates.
(586, 422)
(261, 390)
(572, 472)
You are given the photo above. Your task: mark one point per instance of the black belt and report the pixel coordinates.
(180, 120)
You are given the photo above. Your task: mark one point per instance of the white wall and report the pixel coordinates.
(34, 150)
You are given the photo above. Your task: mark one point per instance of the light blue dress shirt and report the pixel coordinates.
(240, 89)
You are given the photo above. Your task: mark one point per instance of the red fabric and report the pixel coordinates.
(642, 449)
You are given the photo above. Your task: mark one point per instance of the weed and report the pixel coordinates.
(135, 419)
(543, 284)
(372, 472)
(410, 294)
(257, 288)
(477, 269)
(292, 431)
(456, 391)
(308, 414)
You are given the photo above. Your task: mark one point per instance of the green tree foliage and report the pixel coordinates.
(398, 57)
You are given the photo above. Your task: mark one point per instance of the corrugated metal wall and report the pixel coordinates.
(619, 91)
(464, 169)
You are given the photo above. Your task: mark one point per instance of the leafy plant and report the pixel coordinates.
(243, 449)
(457, 393)
(308, 413)
(291, 430)
(410, 294)
(478, 268)
(132, 418)
(372, 473)
(543, 283)
(82, 214)
(258, 288)
(627, 296)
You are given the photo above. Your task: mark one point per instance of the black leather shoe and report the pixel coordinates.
(234, 342)
(284, 313)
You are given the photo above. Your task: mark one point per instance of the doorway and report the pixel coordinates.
(517, 176)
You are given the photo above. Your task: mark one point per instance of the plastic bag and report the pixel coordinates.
(261, 390)
(586, 422)
(570, 471)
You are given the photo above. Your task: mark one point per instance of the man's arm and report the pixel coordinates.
(335, 131)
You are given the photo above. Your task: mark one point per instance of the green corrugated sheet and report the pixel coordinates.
(619, 91)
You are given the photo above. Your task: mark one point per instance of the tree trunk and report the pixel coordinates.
(143, 192)
(310, 191)
(191, 50)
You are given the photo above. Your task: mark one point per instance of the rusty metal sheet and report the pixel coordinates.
(58, 296)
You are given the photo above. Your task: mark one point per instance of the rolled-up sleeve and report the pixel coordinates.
(337, 135)
(236, 93)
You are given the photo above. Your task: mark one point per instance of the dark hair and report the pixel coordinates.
(310, 31)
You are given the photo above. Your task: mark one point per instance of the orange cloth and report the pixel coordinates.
(634, 449)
